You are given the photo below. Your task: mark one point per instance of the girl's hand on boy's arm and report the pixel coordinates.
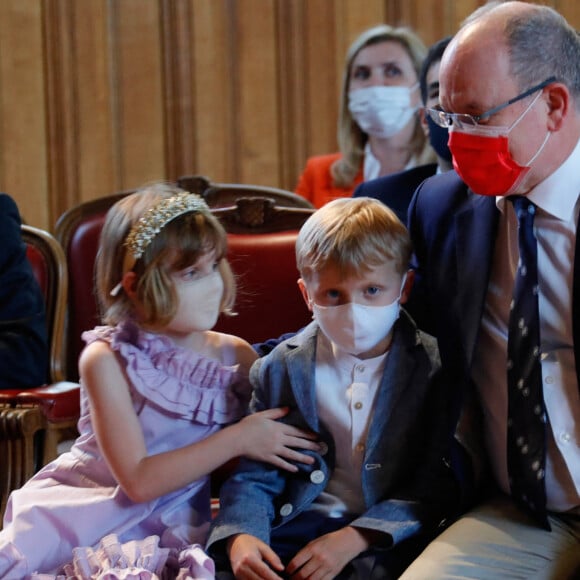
(249, 558)
(327, 555)
(265, 439)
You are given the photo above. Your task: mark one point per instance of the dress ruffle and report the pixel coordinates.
(176, 379)
(142, 560)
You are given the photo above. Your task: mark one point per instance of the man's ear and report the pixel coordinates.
(304, 293)
(406, 291)
(423, 121)
(558, 101)
(129, 284)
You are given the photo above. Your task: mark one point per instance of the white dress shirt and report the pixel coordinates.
(346, 388)
(372, 166)
(557, 200)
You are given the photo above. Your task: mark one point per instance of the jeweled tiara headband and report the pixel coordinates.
(157, 217)
(154, 220)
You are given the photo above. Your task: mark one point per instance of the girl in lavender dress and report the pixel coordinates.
(161, 398)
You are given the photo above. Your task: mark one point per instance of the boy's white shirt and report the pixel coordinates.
(346, 389)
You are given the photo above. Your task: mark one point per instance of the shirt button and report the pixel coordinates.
(358, 405)
(565, 437)
(317, 476)
(286, 510)
(549, 380)
(323, 448)
(360, 368)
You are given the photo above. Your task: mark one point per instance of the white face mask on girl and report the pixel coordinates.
(382, 111)
(357, 328)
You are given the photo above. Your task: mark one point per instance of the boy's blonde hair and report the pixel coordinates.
(179, 244)
(353, 234)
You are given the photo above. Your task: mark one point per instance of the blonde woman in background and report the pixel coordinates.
(379, 129)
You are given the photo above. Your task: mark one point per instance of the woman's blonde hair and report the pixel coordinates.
(351, 138)
(352, 233)
(178, 244)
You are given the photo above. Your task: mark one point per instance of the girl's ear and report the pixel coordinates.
(304, 292)
(129, 284)
(406, 291)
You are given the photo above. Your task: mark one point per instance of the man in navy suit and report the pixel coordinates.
(396, 190)
(23, 339)
(510, 95)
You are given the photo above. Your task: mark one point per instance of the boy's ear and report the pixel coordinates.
(406, 291)
(129, 284)
(304, 292)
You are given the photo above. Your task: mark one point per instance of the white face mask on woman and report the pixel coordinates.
(357, 328)
(382, 111)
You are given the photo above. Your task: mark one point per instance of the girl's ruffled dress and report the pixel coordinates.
(72, 520)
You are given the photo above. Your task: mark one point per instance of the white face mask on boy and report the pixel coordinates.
(381, 111)
(357, 328)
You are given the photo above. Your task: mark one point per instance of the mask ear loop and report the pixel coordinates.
(403, 282)
(529, 163)
(533, 102)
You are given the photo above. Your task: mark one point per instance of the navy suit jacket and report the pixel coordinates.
(23, 335)
(453, 232)
(397, 189)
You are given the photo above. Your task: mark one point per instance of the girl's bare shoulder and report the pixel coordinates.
(231, 349)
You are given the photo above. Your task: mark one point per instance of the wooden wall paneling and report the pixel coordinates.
(462, 9)
(23, 148)
(214, 89)
(293, 90)
(570, 9)
(257, 108)
(353, 17)
(323, 77)
(62, 115)
(177, 85)
(434, 20)
(137, 71)
(92, 85)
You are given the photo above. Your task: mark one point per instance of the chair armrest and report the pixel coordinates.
(59, 401)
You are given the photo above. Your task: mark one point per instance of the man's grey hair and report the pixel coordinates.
(541, 44)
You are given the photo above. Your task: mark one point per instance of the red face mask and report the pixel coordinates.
(485, 163)
(482, 158)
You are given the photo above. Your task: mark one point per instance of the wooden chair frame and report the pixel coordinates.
(33, 421)
(226, 194)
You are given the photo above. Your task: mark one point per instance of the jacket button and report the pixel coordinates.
(323, 448)
(286, 510)
(317, 476)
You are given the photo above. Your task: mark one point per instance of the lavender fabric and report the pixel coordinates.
(180, 397)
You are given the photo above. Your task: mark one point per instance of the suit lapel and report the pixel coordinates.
(399, 365)
(475, 225)
(301, 361)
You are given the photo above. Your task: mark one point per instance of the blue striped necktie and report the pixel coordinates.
(526, 438)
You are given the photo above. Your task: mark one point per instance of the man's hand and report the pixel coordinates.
(325, 557)
(249, 558)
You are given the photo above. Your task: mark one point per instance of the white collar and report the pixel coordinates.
(558, 194)
(372, 166)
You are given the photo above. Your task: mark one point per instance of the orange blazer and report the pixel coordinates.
(315, 183)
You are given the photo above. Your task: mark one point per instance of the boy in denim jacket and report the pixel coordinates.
(367, 381)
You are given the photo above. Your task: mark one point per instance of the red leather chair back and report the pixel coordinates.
(268, 302)
(78, 231)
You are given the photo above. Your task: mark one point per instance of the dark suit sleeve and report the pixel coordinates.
(418, 303)
(23, 335)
